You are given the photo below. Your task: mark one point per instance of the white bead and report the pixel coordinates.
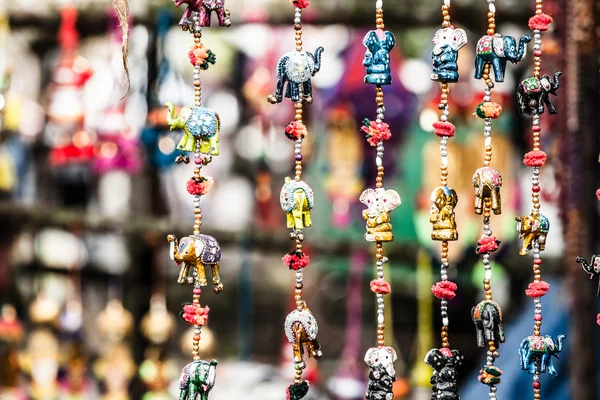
(379, 161)
(447, 3)
(488, 141)
(488, 274)
(297, 21)
(492, 8)
(445, 321)
(445, 161)
(380, 319)
(379, 4)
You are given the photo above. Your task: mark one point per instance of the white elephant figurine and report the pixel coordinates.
(382, 373)
(380, 203)
(446, 43)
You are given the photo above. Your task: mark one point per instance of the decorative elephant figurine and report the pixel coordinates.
(445, 363)
(297, 199)
(379, 43)
(536, 353)
(296, 68)
(497, 50)
(382, 374)
(197, 251)
(197, 379)
(532, 228)
(487, 183)
(301, 330)
(200, 125)
(380, 203)
(534, 92)
(487, 317)
(204, 8)
(443, 200)
(592, 268)
(446, 43)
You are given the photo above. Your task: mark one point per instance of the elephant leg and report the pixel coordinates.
(306, 219)
(214, 145)
(201, 273)
(307, 92)
(316, 349)
(551, 369)
(526, 244)
(499, 65)
(298, 220)
(183, 392)
(293, 91)
(183, 272)
(522, 358)
(221, 16)
(496, 201)
(549, 105)
(193, 391)
(216, 278)
(478, 205)
(479, 64)
(280, 85)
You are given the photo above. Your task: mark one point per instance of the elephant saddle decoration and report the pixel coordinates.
(382, 373)
(445, 363)
(379, 43)
(297, 199)
(487, 183)
(446, 44)
(532, 229)
(592, 268)
(487, 317)
(200, 126)
(197, 251)
(197, 380)
(204, 10)
(296, 68)
(536, 353)
(301, 330)
(497, 50)
(443, 200)
(533, 93)
(380, 203)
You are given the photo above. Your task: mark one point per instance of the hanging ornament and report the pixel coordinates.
(294, 72)
(447, 41)
(200, 126)
(536, 351)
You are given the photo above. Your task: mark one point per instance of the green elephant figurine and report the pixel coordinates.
(199, 124)
(197, 379)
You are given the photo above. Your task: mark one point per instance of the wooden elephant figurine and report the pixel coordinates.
(197, 251)
(487, 317)
(297, 199)
(534, 92)
(443, 200)
(446, 43)
(380, 203)
(534, 227)
(497, 50)
(296, 68)
(301, 330)
(487, 183)
(536, 353)
(197, 379)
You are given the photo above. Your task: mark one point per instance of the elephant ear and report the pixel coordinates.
(459, 39)
(366, 196)
(393, 352)
(390, 40)
(370, 40)
(391, 200)
(371, 356)
(535, 226)
(435, 359)
(199, 245)
(454, 197)
(458, 358)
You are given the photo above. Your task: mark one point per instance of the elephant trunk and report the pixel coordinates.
(173, 249)
(586, 267)
(317, 58)
(556, 84)
(523, 47)
(170, 114)
(559, 341)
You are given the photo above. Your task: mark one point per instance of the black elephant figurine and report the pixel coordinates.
(534, 92)
(445, 363)
(497, 50)
(487, 317)
(592, 268)
(296, 68)
(382, 374)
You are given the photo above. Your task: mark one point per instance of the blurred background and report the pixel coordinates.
(89, 192)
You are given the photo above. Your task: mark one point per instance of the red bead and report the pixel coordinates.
(537, 261)
(536, 385)
(197, 338)
(198, 161)
(537, 53)
(197, 291)
(537, 317)
(535, 189)
(536, 128)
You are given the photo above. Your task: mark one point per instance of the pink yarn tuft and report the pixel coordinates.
(193, 314)
(598, 321)
(540, 22)
(444, 290)
(444, 129)
(199, 187)
(300, 3)
(537, 289)
(295, 130)
(380, 286)
(598, 194)
(487, 244)
(295, 260)
(535, 158)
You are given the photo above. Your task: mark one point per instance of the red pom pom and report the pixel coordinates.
(487, 244)
(535, 158)
(376, 132)
(193, 314)
(300, 3)
(444, 290)
(444, 129)
(295, 260)
(295, 130)
(537, 289)
(598, 194)
(598, 321)
(380, 286)
(540, 22)
(200, 186)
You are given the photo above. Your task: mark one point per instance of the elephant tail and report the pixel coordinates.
(556, 84)
(317, 59)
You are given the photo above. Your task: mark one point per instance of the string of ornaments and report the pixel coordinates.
(380, 203)
(194, 253)
(533, 96)
(445, 362)
(294, 72)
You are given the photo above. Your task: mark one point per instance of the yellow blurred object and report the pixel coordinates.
(8, 172)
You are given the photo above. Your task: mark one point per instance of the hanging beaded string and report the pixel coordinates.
(295, 69)
(447, 42)
(533, 96)
(200, 127)
(380, 203)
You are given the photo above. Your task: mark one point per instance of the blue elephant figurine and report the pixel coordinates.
(446, 43)
(497, 50)
(536, 353)
(197, 379)
(296, 68)
(379, 43)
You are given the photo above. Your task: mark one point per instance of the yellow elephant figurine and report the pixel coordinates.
(297, 200)
(443, 200)
(380, 203)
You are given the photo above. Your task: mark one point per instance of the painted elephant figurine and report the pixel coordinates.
(204, 8)
(379, 43)
(296, 68)
(301, 330)
(297, 199)
(443, 200)
(446, 43)
(197, 251)
(534, 92)
(200, 126)
(380, 203)
(532, 228)
(487, 317)
(197, 379)
(592, 268)
(445, 364)
(497, 50)
(487, 183)
(536, 353)
(382, 374)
